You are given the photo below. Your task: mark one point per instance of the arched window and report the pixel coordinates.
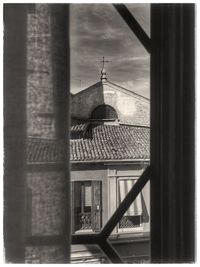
(104, 112)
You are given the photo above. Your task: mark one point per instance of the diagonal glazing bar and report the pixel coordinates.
(134, 25)
(125, 204)
(110, 252)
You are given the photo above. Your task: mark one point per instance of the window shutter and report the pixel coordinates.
(96, 205)
(75, 205)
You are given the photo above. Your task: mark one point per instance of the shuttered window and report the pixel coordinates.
(86, 206)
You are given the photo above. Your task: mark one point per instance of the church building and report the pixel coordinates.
(110, 139)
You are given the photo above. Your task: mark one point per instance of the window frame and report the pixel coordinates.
(81, 182)
(180, 248)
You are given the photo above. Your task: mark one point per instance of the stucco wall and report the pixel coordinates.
(84, 102)
(131, 109)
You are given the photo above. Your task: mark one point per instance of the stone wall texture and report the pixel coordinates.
(131, 108)
(46, 193)
(40, 106)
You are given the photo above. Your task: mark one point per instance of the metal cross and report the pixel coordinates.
(104, 61)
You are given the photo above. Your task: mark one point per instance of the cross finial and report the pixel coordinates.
(104, 61)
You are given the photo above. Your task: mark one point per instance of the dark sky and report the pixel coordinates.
(97, 30)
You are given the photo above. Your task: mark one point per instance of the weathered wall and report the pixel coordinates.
(40, 105)
(131, 108)
(46, 203)
(48, 191)
(84, 102)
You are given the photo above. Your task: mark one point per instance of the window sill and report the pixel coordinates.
(85, 232)
(130, 237)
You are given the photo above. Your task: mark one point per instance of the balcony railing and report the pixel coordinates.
(85, 221)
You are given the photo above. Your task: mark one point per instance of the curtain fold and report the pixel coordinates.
(136, 207)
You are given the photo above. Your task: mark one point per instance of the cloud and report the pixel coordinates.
(98, 30)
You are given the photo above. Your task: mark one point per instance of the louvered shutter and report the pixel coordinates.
(96, 205)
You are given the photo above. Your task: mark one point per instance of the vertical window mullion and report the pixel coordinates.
(72, 208)
(82, 198)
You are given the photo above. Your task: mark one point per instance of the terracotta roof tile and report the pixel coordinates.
(99, 142)
(111, 142)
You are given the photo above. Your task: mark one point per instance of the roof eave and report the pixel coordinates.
(111, 161)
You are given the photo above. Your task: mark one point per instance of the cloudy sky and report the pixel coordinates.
(97, 30)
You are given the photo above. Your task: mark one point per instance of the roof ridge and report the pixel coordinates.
(117, 85)
(136, 94)
(89, 87)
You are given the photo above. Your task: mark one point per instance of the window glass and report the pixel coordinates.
(88, 195)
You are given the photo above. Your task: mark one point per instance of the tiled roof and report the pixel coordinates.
(111, 142)
(78, 128)
(98, 143)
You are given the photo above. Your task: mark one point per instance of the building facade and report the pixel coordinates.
(109, 152)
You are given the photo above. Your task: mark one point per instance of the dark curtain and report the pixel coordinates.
(172, 133)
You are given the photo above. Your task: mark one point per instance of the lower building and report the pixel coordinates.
(106, 161)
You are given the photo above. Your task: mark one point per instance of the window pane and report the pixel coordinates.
(88, 195)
